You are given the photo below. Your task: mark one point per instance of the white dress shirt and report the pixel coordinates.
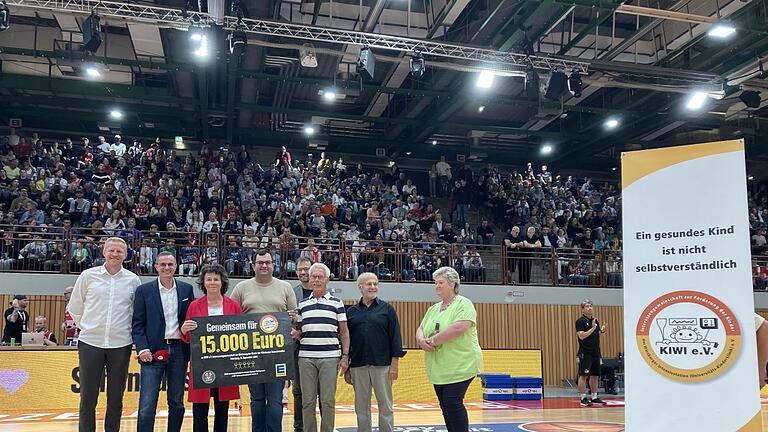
(170, 301)
(102, 307)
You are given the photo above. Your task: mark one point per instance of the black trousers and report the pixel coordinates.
(298, 417)
(451, 397)
(92, 362)
(220, 414)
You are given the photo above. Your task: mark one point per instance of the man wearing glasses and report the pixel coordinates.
(263, 294)
(159, 309)
(302, 290)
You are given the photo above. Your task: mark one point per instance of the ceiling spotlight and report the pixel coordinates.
(307, 56)
(481, 108)
(116, 114)
(238, 42)
(696, 100)
(92, 72)
(721, 30)
(309, 130)
(485, 79)
(434, 142)
(750, 178)
(611, 123)
(546, 149)
(329, 94)
(202, 45)
(408, 153)
(575, 85)
(614, 169)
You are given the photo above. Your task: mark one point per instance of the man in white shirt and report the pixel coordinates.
(103, 146)
(118, 147)
(102, 307)
(159, 310)
(444, 173)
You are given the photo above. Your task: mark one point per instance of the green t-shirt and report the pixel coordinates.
(461, 358)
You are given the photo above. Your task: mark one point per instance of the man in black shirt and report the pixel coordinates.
(588, 331)
(375, 350)
(512, 242)
(16, 320)
(530, 244)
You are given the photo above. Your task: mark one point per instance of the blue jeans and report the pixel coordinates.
(267, 406)
(175, 371)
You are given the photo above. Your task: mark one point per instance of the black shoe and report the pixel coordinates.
(598, 401)
(585, 402)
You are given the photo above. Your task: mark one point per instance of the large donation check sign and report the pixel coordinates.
(241, 349)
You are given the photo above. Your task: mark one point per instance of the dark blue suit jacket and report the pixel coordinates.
(149, 318)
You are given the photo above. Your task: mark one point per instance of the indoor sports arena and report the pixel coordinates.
(383, 215)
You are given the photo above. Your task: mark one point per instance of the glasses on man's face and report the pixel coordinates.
(264, 263)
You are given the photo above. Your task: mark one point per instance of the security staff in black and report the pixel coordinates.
(588, 330)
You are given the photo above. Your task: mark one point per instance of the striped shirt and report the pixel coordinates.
(320, 320)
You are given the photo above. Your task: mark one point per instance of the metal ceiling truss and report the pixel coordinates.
(176, 18)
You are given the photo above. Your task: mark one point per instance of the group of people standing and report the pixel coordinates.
(115, 311)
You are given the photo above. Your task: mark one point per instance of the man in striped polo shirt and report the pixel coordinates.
(322, 319)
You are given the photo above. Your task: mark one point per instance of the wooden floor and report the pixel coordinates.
(554, 415)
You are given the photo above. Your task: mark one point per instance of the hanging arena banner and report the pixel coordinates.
(691, 363)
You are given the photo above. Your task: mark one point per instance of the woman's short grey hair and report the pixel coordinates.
(320, 265)
(449, 274)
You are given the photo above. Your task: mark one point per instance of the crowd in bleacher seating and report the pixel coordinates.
(58, 200)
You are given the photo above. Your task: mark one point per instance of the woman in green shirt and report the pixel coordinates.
(448, 335)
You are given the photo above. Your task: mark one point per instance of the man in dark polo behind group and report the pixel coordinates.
(159, 310)
(302, 291)
(375, 350)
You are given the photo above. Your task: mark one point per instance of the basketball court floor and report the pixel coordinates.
(550, 415)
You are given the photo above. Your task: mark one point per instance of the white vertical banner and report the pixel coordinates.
(691, 358)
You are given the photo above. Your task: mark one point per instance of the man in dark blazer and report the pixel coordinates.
(159, 310)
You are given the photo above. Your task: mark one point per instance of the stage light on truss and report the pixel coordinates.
(485, 79)
(575, 85)
(434, 142)
(547, 149)
(558, 81)
(5, 16)
(238, 42)
(696, 100)
(417, 64)
(750, 98)
(721, 30)
(481, 108)
(92, 72)
(116, 114)
(309, 130)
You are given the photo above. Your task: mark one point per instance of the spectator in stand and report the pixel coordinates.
(71, 332)
(41, 326)
(444, 175)
(484, 233)
(118, 147)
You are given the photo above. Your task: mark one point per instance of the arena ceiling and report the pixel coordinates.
(643, 62)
